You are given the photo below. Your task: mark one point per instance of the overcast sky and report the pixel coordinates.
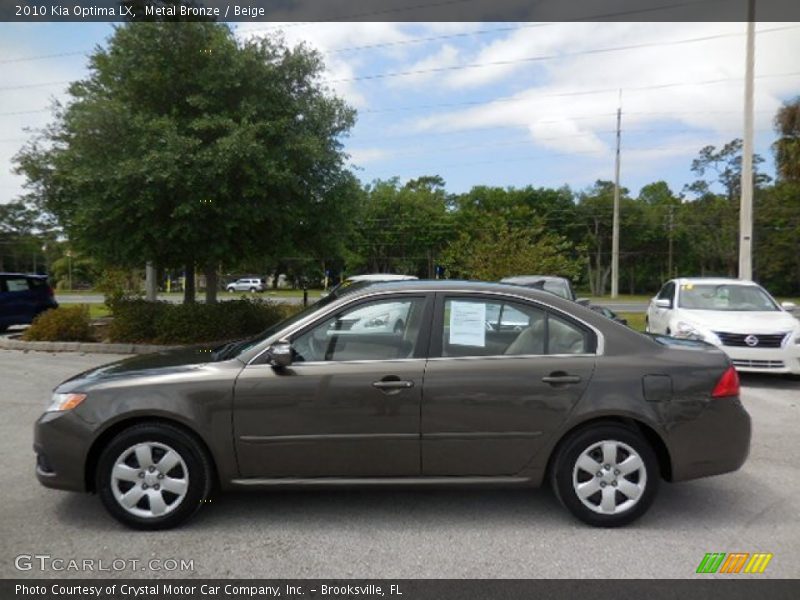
(485, 103)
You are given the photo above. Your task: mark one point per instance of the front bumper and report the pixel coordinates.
(61, 441)
(765, 360)
(712, 441)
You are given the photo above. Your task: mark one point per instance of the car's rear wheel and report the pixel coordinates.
(153, 476)
(252, 290)
(606, 475)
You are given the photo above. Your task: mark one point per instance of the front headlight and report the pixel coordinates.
(65, 402)
(687, 331)
(379, 321)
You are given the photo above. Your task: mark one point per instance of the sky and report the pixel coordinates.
(501, 104)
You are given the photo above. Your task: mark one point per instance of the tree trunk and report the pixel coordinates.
(212, 283)
(188, 284)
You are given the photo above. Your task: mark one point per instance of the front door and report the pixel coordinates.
(349, 404)
(503, 375)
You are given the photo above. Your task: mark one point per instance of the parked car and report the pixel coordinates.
(560, 286)
(246, 284)
(573, 399)
(23, 298)
(368, 278)
(608, 313)
(740, 317)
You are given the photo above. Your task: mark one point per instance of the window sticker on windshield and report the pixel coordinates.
(468, 324)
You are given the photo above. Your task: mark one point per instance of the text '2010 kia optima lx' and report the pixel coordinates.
(453, 397)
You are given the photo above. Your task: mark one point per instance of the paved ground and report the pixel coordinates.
(501, 533)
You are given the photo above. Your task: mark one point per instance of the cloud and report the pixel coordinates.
(360, 156)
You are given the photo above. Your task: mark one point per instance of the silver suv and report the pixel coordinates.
(247, 284)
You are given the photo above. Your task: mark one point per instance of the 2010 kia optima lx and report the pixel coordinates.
(482, 384)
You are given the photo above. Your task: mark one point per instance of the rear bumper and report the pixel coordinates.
(715, 441)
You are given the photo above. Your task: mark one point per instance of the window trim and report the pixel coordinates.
(435, 348)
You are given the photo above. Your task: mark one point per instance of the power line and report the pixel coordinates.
(513, 99)
(529, 59)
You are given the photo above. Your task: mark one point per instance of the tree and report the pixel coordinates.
(725, 165)
(498, 250)
(187, 148)
(401, 228)
(787, 148)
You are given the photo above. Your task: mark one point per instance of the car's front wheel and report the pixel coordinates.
(153, 476)
(606, 475)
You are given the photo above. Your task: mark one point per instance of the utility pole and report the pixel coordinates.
(151, 292)
(615, 226)
(671, 226)
(746, 204)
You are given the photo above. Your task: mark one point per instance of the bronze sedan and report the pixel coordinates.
(409, 383)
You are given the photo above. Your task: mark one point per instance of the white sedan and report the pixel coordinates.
(740, 317)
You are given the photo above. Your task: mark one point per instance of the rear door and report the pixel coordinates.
(496, 386)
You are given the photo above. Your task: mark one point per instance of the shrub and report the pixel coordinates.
(164, 323)
(63, 324)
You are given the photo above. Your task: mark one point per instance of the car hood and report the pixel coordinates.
(741, 321)
(167, 362)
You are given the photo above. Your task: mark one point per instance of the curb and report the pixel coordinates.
(7, 343)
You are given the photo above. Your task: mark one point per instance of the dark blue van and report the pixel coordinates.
(23, 297)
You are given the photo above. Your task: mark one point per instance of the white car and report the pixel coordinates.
(246, 284)
(391, 318)
(740, 317)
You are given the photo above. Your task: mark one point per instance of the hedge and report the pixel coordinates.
(63, 324)
(139, 321)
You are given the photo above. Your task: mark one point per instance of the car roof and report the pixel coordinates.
(380, 277)
(713, 281)
(532, 278)
(455, 285)
(36, 275)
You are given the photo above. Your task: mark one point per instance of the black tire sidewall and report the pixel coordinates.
(189, 450)
(568, 454)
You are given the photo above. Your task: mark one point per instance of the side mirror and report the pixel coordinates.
(663, 303)
(582, 301)
(280, 354)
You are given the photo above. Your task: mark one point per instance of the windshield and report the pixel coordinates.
(725, 297)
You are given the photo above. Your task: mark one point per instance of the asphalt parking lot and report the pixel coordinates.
(398, 534)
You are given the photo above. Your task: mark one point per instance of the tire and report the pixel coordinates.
(190, 476)
(231, 289)
(252, 290)
(584, 447)
(646, 325)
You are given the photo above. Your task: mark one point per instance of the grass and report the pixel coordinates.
(635, 320)
(95, 310)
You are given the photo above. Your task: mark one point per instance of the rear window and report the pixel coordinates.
(37, 282)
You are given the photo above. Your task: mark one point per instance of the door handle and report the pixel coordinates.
(393, 384)
(561, 379)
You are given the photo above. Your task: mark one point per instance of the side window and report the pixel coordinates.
(475, 327)
(667, 292)
(17, 284)
(566, 338)
(378, 330)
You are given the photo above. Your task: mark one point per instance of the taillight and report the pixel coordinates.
(728, 384)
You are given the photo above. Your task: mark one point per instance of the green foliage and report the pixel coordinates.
(63, 324)
(184, 146)
(138, 321)
(498, 250)
(118, 285)
(787, 148)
